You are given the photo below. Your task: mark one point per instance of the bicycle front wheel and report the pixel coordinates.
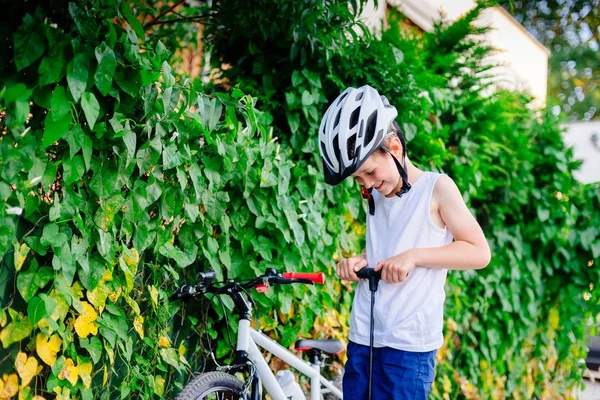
(212, 386)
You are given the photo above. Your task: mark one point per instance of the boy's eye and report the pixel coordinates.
(371, 172)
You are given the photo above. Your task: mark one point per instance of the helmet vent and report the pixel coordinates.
(342, 98)
(336, 147)
(361, 130)
(350, 146)
(359, 96)
(324, 154)
(354, 118)
(370, 131)
(337, 119)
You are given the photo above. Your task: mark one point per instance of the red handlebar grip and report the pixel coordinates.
(316, 277)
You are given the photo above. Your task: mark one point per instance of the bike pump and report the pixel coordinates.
(373, 277)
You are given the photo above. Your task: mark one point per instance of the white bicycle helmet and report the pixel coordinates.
(353, 127)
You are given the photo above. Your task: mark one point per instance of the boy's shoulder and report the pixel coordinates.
(446, 190)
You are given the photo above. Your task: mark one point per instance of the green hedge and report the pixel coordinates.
(131, 178)
(129, 181)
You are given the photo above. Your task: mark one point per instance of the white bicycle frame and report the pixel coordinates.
(248, 340)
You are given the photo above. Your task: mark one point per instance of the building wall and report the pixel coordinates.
(523, 60)
(584, 137)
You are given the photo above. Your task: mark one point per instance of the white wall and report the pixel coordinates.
(579, 136)
(524, 60)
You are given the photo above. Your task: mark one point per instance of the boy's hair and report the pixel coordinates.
(394, 131)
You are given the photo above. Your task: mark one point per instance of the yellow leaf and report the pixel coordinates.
(9, 386)
(164, 341)
(98, 296)
(69, 372)
(138, 325)
(554, 318)
(153, 295)
(21, 256)
(134, 306)
(159, 385)
(27, 368)
(85, 325)
(85, 372)
(47, 348)
(62, 307)
(105, 377)
(181, 349)
(107, 276)
(62, 393)
(132, 261)
(114, 296)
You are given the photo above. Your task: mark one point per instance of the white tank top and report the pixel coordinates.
(408, 315)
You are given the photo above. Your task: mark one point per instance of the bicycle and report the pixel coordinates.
(248, 359)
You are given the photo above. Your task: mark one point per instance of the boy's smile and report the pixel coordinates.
(378, 172)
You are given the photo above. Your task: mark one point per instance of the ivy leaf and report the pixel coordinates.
(94, 347)
(107, 65)
(130, 142)
(87, 151)
(150, 96)
(84, 23)
(16, 331)
(307, 98)
(542, 213)
(9, 385)
(47, 348)
(16, 92)
(73, 169)
(161, 51)
(85, 323)
(29, 43)
(133, 21)
(171, 157)
(75, 140)
(27, 368)
(77, 75)
(40, 307)
(91, 108)
(51, 236)
(59, 102)
(55, 129)
(129, 80)
(51, 69)
(170, 99)
(29, 282)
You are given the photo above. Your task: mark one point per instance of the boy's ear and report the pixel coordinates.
(395, 146)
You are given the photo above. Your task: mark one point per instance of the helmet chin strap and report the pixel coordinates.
(402, 171)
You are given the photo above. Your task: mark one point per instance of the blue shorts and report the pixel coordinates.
(397, 374)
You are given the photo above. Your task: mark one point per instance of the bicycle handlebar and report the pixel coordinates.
(260, 283)
(314, 277)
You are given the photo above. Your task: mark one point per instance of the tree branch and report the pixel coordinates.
(197, 18)
(154, 20)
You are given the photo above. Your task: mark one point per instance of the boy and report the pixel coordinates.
(413, 218)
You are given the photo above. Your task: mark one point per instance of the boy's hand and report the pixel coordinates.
(396, 269)
(347, 269)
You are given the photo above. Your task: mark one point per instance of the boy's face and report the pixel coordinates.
(380, 173)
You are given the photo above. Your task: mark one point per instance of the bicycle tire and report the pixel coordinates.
(212, 383)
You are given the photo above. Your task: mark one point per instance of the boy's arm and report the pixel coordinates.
(470, 249)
